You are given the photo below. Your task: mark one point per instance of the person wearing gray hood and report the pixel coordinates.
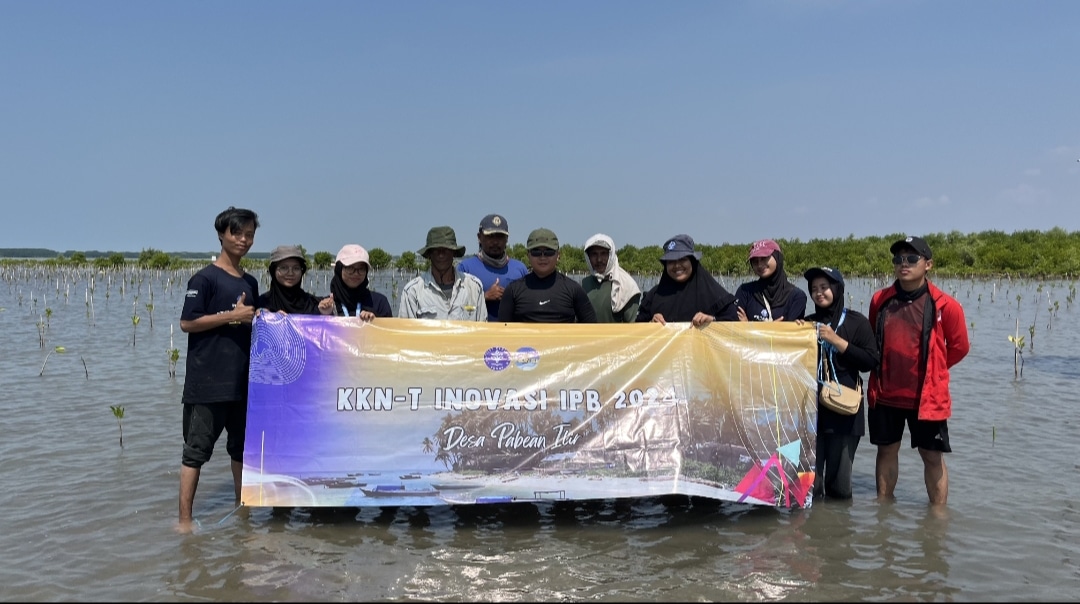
(613, 292)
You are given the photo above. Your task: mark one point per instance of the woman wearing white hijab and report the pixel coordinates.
(613, 292)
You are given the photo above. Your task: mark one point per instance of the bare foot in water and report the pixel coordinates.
(185, 527)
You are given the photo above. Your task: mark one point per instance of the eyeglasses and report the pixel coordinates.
(289, 270)
(906, 258)
(543, 253)
(354, 270)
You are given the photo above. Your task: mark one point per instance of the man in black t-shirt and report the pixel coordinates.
(218, 310)
(545, 295)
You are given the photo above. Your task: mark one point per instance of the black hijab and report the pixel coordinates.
(774, 289)
(293, 300)
(681, 301)
(353, 299)
(829, 314)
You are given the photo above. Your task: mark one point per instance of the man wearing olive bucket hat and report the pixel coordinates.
(444, 292)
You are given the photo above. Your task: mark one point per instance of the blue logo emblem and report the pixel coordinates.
(526, 358)
(497, 358)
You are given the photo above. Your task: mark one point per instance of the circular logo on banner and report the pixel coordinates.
(497, 358)
(526, 358)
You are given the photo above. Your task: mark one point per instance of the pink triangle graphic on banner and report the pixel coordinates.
(757, 485)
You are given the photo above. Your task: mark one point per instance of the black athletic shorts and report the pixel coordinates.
(203, 424)
(887, 427)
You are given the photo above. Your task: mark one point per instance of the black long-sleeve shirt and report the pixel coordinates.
(552, 299)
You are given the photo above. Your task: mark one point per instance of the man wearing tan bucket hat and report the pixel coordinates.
(443, 292)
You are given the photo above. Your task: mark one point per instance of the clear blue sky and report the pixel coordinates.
(130, 125)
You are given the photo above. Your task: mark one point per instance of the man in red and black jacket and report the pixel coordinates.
(922, 333)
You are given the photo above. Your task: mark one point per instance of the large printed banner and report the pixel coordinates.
(414, 412)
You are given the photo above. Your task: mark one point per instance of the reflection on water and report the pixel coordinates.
(88, 520)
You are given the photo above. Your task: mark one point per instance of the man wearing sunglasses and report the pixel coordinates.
(922, 333)
(545, 295)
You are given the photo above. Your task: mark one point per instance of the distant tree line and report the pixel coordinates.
(1052, 253)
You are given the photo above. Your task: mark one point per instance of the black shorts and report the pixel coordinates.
(203, 424)
(887, 427)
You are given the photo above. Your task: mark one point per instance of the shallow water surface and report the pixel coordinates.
(85, 519)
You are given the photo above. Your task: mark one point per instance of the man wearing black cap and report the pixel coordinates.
(495, 269)
(922, 333)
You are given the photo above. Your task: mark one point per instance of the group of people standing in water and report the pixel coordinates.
(912, 335)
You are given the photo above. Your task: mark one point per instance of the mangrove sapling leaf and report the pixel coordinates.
(174, 356)
(118, 413)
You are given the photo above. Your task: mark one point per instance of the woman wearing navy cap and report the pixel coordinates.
(686, 291)
(846, 340)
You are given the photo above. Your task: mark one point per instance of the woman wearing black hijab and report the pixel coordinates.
(686, 291)
(287, 269)
(846, 341)
(771, 297)
(349, 287)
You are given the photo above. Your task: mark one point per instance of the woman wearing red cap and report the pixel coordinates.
(771, 297)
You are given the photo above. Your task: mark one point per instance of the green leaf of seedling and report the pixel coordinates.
(60, 349)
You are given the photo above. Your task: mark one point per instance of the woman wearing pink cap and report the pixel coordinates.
(349, 287)
(771, 297)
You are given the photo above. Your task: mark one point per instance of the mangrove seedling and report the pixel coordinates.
(1034, 320)
(118, 413)
(59, 350)
(134, 325)
(174, 354)
(1018, 352)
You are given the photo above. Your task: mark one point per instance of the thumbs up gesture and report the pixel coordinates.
(242, 312)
